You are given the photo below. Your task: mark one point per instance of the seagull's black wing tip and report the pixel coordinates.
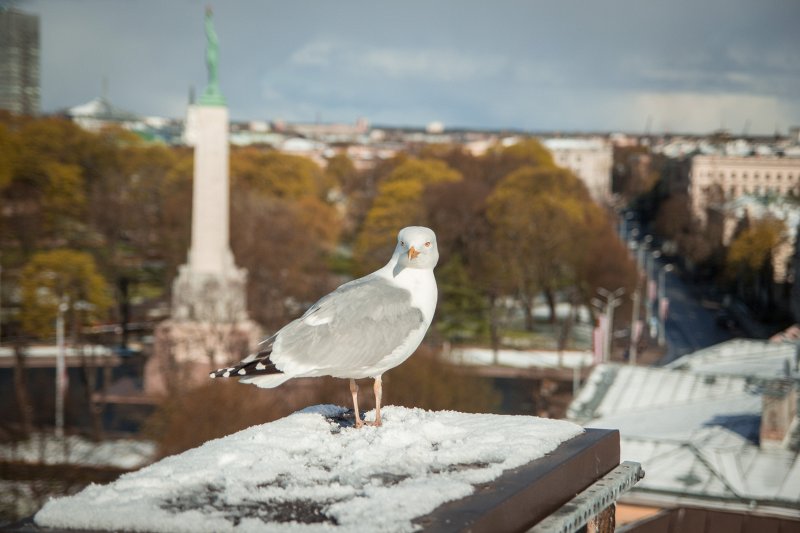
(258, 366)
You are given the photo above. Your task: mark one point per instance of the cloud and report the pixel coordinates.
(702, 112)
(507, 64)
(314, 54)
(441, 65)
(434, 64)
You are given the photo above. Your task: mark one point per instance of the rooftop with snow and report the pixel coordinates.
(313, 471)
(717, 428)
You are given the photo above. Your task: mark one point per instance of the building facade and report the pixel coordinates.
(590, 159)
(715, 179)
(19, 62)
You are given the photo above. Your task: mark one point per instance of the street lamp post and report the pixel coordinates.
(634, 237)
(1, 303)
(651, 274)
(626, 216)
(634, 344)
(641, 258)
(612, 301)
(663, 303)
(60, 367)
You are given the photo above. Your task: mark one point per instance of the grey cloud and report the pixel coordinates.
(538, 65)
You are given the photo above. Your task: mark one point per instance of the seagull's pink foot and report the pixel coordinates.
(354, 392)
(378, 389)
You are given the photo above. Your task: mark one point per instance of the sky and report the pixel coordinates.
(613, 65)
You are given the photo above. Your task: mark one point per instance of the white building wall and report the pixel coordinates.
(590, 159)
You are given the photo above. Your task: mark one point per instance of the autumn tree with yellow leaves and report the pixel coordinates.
(542, 219)
(57, 276)
(399, 203)
(284, 229)
(749, 260)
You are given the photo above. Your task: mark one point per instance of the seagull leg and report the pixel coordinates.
(354, 392)
(378, 389)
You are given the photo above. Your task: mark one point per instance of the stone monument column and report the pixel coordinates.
(210, 286)
(209, 326)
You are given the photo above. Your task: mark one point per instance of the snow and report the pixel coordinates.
(522, 358)
(575, 144)
(741, 357)
(46, 351)
(694, 427)
(308, 472)
(682, 421)
(47, 449)
(94, 107)
(715, 463)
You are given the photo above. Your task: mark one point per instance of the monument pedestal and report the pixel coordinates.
(208, 296)
(186, 351)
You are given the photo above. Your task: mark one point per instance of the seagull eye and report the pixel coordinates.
(403, 244)
(428, 244)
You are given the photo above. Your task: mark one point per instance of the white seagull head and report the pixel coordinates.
(416, 248)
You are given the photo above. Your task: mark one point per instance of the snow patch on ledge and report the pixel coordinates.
(308, 473)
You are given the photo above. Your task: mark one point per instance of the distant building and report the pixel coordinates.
(590, 159)
(19, 62)
(331, 133)
(715, 179)
(365, 157)
(435, 127)
(99, 113)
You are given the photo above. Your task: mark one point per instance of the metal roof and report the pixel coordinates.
(694, 426)
(744, 357)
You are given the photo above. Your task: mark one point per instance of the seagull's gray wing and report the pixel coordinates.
(349, 330)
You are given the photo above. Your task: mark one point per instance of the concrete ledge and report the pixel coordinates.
(524, 496)
(516, 499)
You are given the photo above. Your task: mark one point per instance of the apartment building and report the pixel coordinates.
(19, 62)
(590, 159)
(715, 179)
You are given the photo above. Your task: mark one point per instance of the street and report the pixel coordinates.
(690, 326)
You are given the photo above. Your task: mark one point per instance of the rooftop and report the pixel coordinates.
(695, 427)
(100, 108)
(744, 357)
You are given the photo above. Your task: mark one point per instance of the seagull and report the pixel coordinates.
(360, 330)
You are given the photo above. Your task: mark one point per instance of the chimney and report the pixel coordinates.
(778, 410)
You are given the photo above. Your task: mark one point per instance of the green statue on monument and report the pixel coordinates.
(212, 95)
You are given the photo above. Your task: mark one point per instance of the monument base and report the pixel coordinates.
(185, 352)
(212, 297)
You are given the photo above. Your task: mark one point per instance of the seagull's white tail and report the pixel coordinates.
(266, 381)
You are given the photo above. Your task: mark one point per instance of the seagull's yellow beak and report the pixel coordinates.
(412, 253)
